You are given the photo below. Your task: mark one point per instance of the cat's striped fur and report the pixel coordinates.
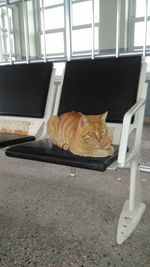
(84, 135)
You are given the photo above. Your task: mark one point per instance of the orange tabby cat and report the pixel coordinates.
(84, 135)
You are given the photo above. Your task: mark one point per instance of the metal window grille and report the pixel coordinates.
(69, 34)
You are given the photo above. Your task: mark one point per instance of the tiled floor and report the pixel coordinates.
(48, 218)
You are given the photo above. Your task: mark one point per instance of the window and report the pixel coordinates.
(53, 30)
(52, 26)
(141, 27)
(85, 26)
(60, 29)
(7, 33)
(17, 32)
(139, 37)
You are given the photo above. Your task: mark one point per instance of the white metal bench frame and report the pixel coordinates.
(133, 208)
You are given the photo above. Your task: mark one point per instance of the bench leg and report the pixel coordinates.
(73, 172)
(144, 168)
(133, 208)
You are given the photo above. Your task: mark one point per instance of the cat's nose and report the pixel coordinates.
(98, 136)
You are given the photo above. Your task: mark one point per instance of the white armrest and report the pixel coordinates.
(139, 105)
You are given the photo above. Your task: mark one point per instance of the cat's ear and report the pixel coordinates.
(103, 116)
(83, 120)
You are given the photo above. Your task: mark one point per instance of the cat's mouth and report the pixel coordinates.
(105, 143)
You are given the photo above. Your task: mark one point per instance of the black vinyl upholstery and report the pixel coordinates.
(24, 89)
(44, 150)
(91, 87)
(9, 139)
(99, 85)
(23, 93)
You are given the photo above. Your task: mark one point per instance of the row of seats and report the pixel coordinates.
(28, 97)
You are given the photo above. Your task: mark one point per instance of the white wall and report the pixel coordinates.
(108, 15)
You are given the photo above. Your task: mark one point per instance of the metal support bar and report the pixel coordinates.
(145, 22)
(133, 208)
(9, 40)
(68, 24)
(93, 29)
(135, 188)
(118, 27)
(126, 25)
(26, 33)
(73, 172)
(44, 34)
(144, 168)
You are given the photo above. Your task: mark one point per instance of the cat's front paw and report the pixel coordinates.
(110, 151)
(65, 146)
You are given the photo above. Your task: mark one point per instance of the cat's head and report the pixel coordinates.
(94, 131)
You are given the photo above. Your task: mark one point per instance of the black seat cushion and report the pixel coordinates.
(8, 139)
(45, 151)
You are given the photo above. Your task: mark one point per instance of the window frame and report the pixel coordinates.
(50, 31)
(67, 31)
(5, 35)
(67, 35)
(131, 33)
(91, 26)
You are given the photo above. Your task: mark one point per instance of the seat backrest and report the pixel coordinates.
(99, 85)
(24, 95)
(24, 89)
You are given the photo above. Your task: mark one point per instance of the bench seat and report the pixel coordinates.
(44, 150)
(9, 139)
